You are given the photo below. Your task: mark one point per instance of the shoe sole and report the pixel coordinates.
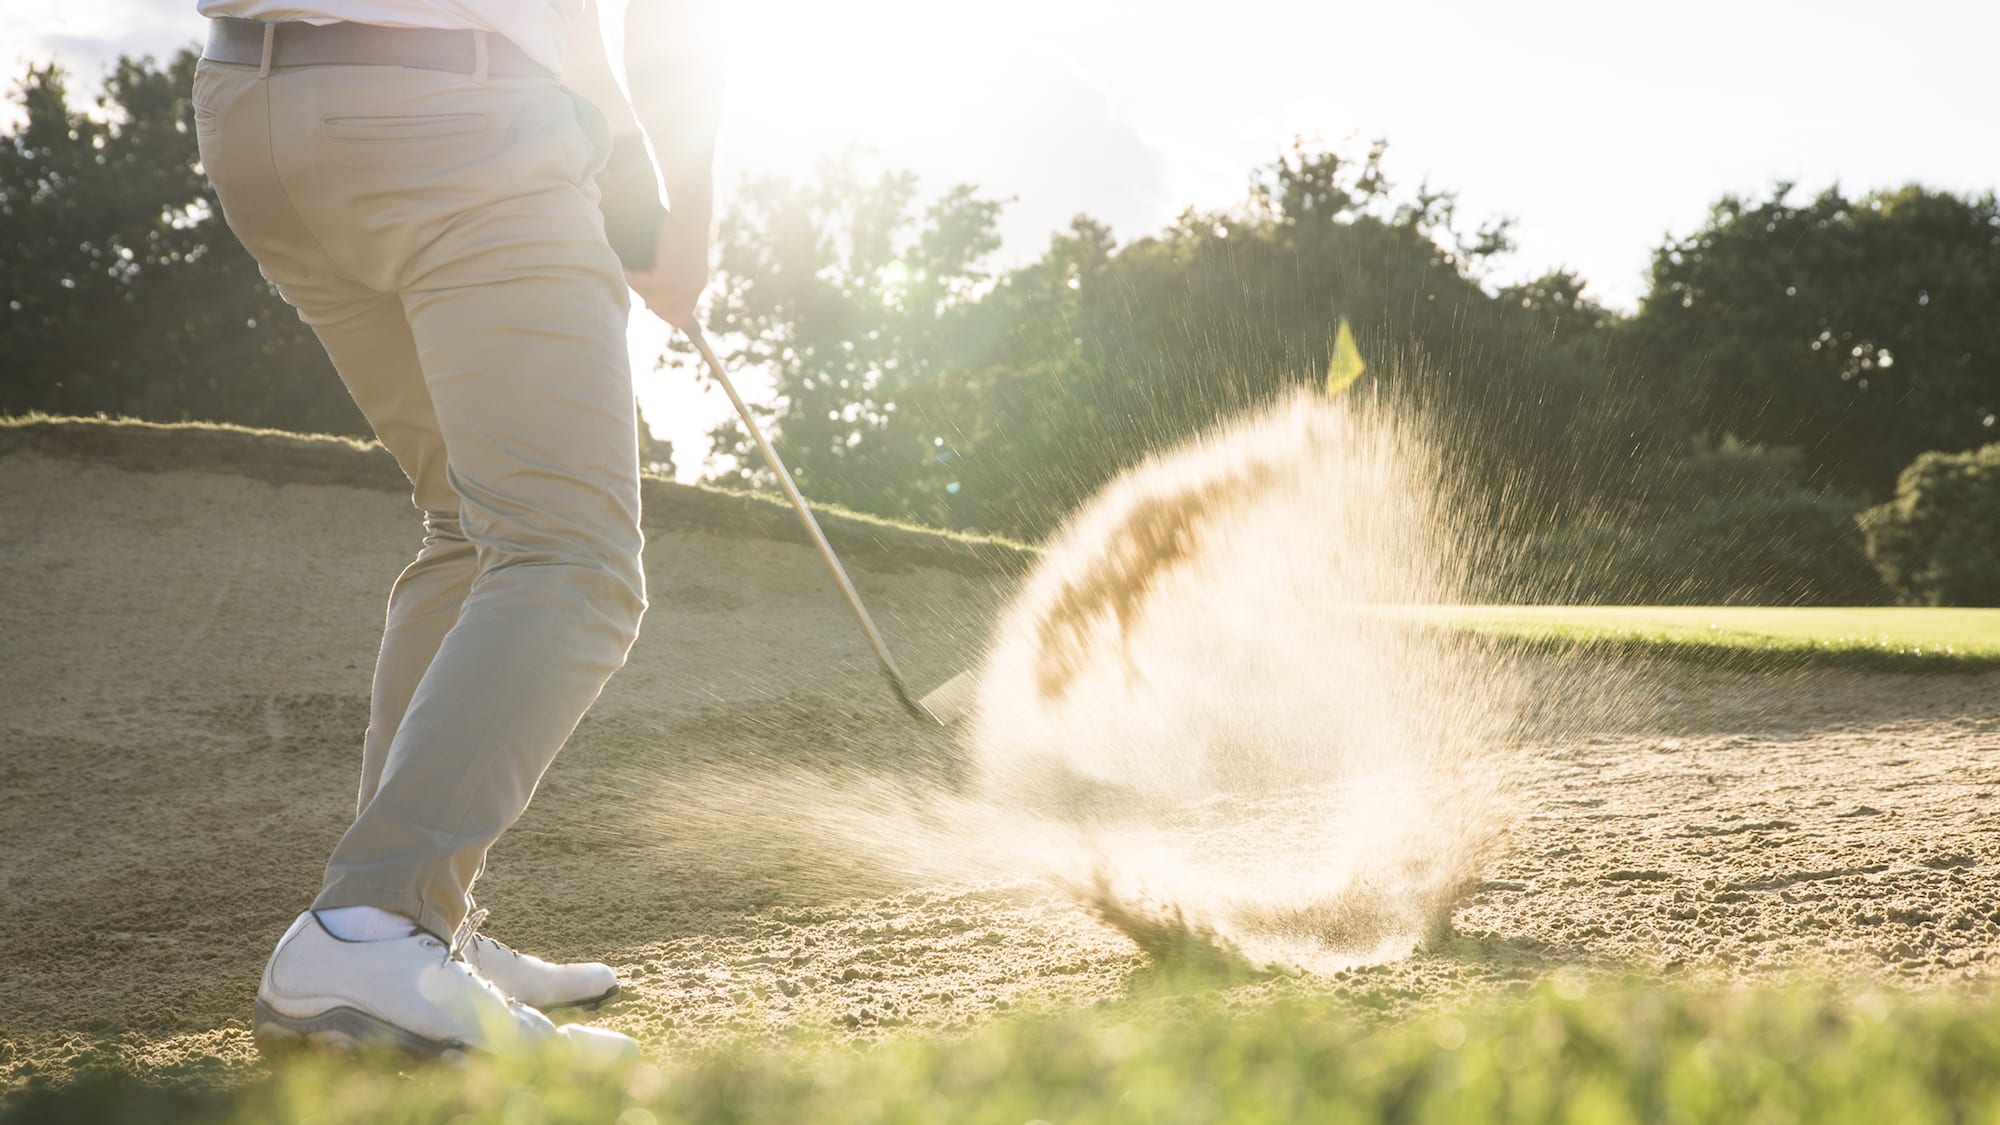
(340, 1029)
(589, 1004)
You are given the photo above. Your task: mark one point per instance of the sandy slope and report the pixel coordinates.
(185, 640)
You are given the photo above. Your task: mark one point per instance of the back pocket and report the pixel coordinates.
(426, 127)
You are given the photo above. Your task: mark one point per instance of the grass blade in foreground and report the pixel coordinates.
(1560, 1053)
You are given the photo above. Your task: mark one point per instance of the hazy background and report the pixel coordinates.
(1598, 127)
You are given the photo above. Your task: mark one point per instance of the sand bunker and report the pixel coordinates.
(185, 641)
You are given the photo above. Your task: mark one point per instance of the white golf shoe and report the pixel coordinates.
(538, 983)
(410, 993)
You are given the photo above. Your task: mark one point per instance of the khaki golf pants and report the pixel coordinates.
(440, 234)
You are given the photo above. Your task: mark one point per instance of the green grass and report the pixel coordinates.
(1556, 1054)
(1884, 639)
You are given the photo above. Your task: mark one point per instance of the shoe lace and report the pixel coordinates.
(466, 931)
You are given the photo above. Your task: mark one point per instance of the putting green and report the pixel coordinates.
(1899, 637)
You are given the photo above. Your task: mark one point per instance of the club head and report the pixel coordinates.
(952, 701)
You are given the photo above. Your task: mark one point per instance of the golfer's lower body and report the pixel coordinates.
(439, 232)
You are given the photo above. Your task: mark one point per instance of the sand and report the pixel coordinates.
(186, 633)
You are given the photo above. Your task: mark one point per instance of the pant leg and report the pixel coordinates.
(471, 203)
(423, 606)
(371, 347)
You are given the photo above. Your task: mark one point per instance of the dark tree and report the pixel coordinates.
(123, 292)
(1861, 331)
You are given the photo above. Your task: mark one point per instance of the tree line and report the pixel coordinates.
(1792, 356)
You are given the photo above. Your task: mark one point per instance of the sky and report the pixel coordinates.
(1599, 126)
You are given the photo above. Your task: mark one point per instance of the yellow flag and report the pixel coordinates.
(1346, 365)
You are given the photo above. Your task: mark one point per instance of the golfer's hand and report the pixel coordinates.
(679, 272)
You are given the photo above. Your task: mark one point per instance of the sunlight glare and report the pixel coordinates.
(807, 79)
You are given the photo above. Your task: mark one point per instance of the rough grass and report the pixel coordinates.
(1883, 639)
(1561, 1053)
(1900, 639)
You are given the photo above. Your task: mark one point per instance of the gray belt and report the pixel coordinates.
(244, 42)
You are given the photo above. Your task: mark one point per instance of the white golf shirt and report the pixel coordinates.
(535, 26)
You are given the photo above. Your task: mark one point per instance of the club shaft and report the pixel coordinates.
(874, 635)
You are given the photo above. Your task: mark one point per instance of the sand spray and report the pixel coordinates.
(1209, 676)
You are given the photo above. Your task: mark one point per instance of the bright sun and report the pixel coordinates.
(807, 77)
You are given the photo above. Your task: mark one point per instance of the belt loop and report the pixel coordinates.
(270, 37)
(479, 57)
